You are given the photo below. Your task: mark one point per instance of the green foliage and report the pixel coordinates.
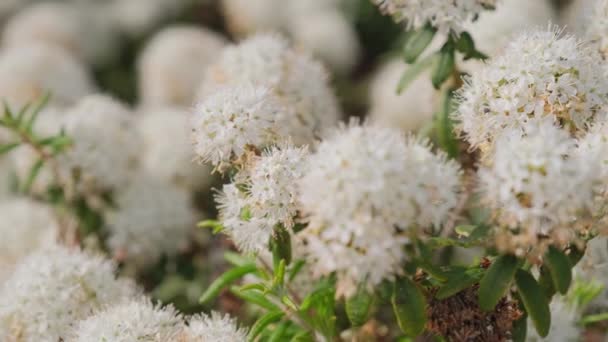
(496, 281)
(409, 306)
(560, 269)
(444, 127)
(358, 307)
(225, 279)
(417, 42)
(534, 301)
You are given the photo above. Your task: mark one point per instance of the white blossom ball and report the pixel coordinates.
(541, 73)
(234, 119)
(270, 197)
(408, 111)
(26, 226)
(28, 73)
(171, 160)
(364, 189)
(51, 290)
(299, 81)
(173, 63)
(446, 16)
(134, 320)
(538, 182)
(244, 17)
(214, 328)
(329, 36)
(67, 26)
(106, 146)
(152, 218)
(135, 18)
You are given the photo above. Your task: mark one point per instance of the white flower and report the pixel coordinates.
(364, 188)
(171, 160)
(542, 73)
(328, 35)
(234, 119)
(214, 328)
(538, 182)
(446, 15)
(28, 73)
(25, 226)
(106, 146)
(269, 197)
(135, 18)
(51, 290)
(153, 218)
(244, 17)
(300, 82)
(134, 320)
(564, 324)
(410, 110)
(173, 63)
(67, 26)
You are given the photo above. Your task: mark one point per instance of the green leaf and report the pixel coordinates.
(435, 271)
(279, 275)
(535, 302)
(6, 148)
(224, 280)
(545, 281)
(237, 259)
(296, 267)
(520, 329)
(444, 67)
(575, 255)
(263, 322)
(496, 281)
(215, 225)
(413, 71)
(561, 270)
(279, 333)
(457, 282)
(409, 306)
(280, 242)
(303, 336)
(254, 297)
(465, 43)
(465, 230)
(34, 171)
(446, 137)
(591, 319)
(37, 109)
(358, 307)
(417, 42)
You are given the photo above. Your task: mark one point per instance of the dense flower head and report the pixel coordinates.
(30, 72)
(363, 189)
(541, 73)
(538, 182)
(235, 119)
(173, 160)
(448, 16)
(52, 289)
(134, 320)
(153, 218)
(26, 225)
(214, 328)
(262, 196)
(299, 81)
(173, 63)
(244, 17)
(106, 146)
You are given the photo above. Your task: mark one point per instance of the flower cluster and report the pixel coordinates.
(365, 188)
(447, 16)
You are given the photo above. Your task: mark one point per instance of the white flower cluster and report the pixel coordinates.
(364, 189)
(299, 82)
(173, 64)
(171, 161)
(153, 218)
(447, 16)
(538, 182)
(214, 328)
(25, 227)
(541, 73)
(97, 125)
(52, 289)
(261, 197)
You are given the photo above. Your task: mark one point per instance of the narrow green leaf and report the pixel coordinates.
(263, 322)
(254, 297)
(279, 275)
(224, 280)
(545, 281)
(237, 259)
(29, 125)
(358, 307)
(417, 42)
(465, 43)
(591, 319)
(496, 281)
(444, 67)
(535, 302)
(290, 303)
(409, 306)
(254, 286)
(446, 137)
(280, 243)
(215, 225)
(303, 336)
(520, 329)
(6, 148)
(34, 171)
(456, 283)
(413, 71)
(296, 267)
(561, 270)
(279, 333)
